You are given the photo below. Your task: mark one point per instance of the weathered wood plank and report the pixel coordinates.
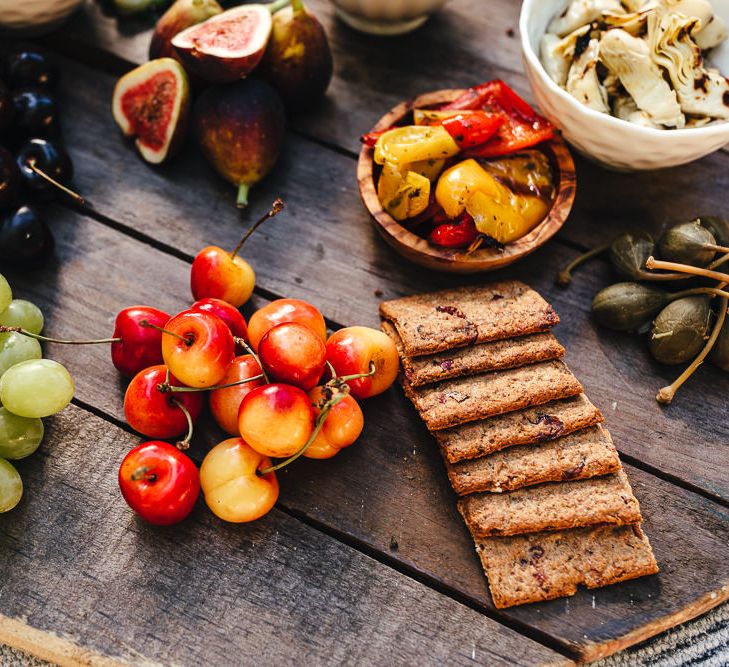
(389, 492)
(324, 249)
(77, 564)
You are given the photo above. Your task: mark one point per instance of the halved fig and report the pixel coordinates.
(152, 103)
(228, 46)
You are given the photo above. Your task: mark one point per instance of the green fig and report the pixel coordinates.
(180, 16)
(240, 128)
(298, 60)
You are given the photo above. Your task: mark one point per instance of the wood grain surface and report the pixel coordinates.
(370, 539)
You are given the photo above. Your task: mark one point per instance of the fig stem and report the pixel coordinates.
(60, 341)
(242, 198)
(74, 195)
(184, 444)
(653, 263)
(166, 387)
(564, 277)
(278, 4)
(249, 350)
(297, 6)
(666, 394)
(276, 207)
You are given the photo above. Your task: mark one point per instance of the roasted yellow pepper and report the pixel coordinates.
(402, 195)
(414, 143)
(495, 209)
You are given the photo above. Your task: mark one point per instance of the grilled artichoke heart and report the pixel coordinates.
(582, 81)
(579, 12)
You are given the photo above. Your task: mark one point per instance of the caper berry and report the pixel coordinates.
(680, 329)
(627, 306)
(720, 353)
(719, 227)
(687, 243)
(629, 252)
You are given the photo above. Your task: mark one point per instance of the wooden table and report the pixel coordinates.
(364, 559)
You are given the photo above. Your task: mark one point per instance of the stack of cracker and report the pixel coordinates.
(542, 488)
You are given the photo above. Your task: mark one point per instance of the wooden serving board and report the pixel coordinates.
(365, 557)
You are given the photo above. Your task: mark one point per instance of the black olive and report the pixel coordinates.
(36, 112)
(687, 243)
(680, 330)
(48, 156)
(30, 67)
(25, 239)
(629, 252)
(627, 306)
(9, 178)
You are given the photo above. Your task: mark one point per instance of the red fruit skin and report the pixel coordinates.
(215, 275)
(152, 412)
(225, 403)
(294, 354)
(140, 347)
(285, 310)
(168, 486)
(202, 363)
(229, 314)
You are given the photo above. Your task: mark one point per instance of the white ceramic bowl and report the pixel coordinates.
(32, 17)
(613, 142)
(386, 17)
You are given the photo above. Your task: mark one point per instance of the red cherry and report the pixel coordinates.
(140, 346)
(154, 413)
(197, 347)
(225, 403)
(294, 354)
(216, 273)
(285, 310)
(159, 482)
(229, 314)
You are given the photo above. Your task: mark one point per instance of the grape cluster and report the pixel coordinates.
(30, 388)
(34, 166)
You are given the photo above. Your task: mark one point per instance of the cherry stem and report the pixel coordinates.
(74, 195)
(666, 394)
(60, 341)
(249, 350)
(184, 444)
(564, 277)
(143, 472)
(652, 263)
(148, 325)
(347, 378)
(276, 207)
(332, 370)
(166, 387)
(339, 396)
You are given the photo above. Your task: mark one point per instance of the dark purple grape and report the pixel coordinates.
(49, 157)
(30, 67)
(9, 178)
(36, 112)
(25, 239)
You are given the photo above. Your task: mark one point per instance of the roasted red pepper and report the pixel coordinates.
(472, 129)
(459, 234)
(522, 127)
(370, 139)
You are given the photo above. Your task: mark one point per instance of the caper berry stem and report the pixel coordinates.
(653, 263)
(716, 248)
(564, 277)
(666, 394)
(712, 291)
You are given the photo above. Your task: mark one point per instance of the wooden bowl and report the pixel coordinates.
(420, 250)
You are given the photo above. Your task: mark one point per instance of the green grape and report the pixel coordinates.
(23, 314)
(6, 294)
(36, 388)
(15, 347)
(19, 436)
(11, 486)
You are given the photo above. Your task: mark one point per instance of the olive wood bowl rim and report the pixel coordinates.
(420, 250)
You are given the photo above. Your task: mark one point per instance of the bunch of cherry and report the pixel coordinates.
(278, 385)
(34, 166)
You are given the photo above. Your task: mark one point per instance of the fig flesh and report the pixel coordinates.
(228, 46)
(151, 103)
(180, 16)
(298, 61)
(240, 129)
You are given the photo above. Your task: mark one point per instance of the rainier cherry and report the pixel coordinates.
(159, 482)
(341, 428)
(355, 350)
(229, 314)
(225, 403)
(224, 275)
(197, 347)
(155, 413)
(232, 484)
(276, 420)
(294, 354)
(285, 310)
(140, 346)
